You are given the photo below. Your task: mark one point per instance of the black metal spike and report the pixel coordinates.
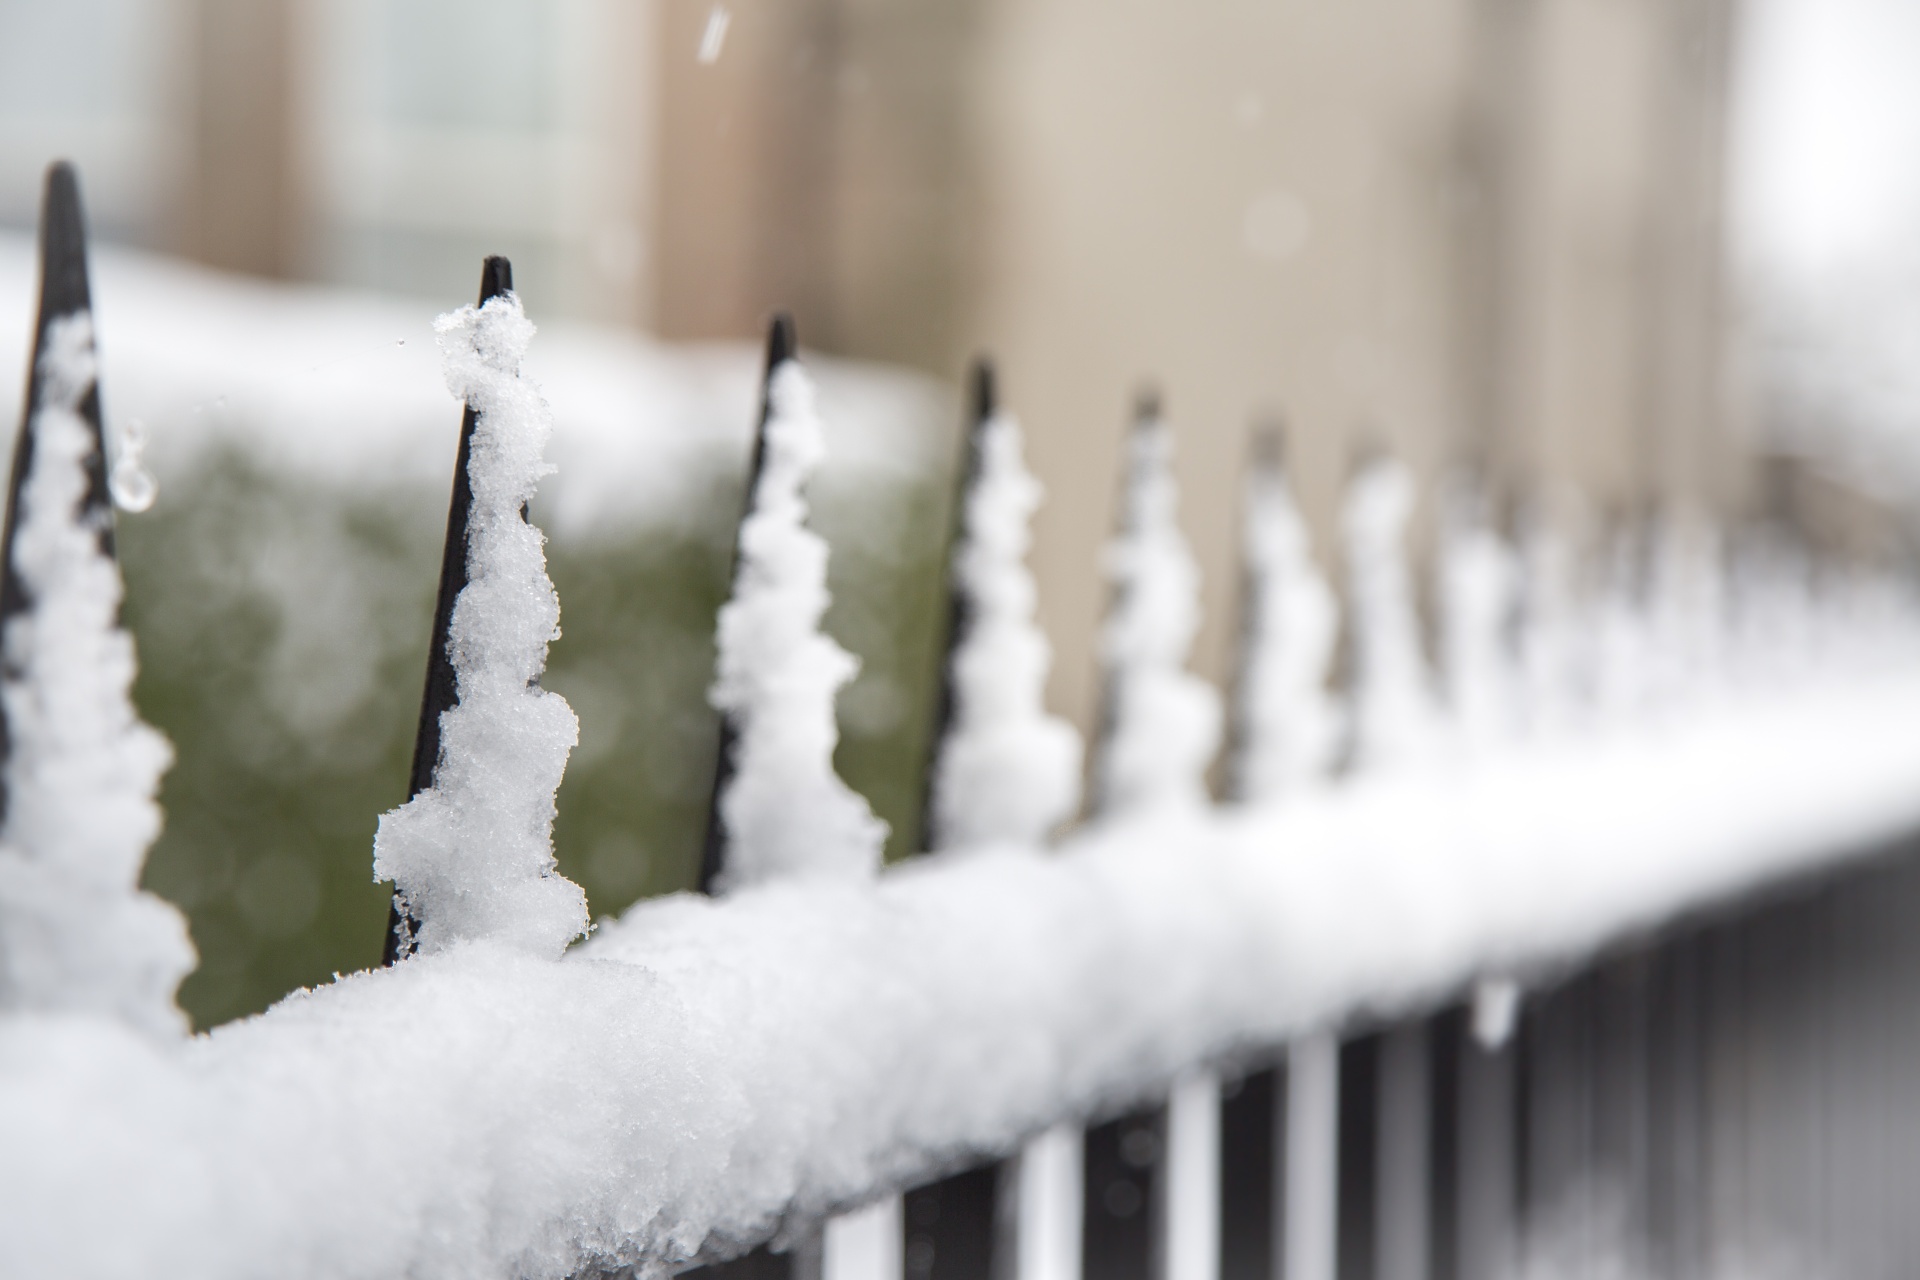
(956, 1225)
(1123, 1159)
(442, 689)
(803, 1261)
(1146, 417)
(1265, 452)
(781, 347)
(982, 405)
(64, 291)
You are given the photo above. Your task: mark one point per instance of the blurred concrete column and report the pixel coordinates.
(746, 165)
(1693, 457)
(239, 203)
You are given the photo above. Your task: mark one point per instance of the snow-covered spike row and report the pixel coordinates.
(65, 290)
(441, 690)
(1391, 703)
(1479, 598)
(783, 812)
(983, 403)
(1162, 723)
(703, 1070)
(1286, 724)
(781, 346)
(471, 855)
(1552, 675)
(77, 934)
(1005, 771)
(1686, 602)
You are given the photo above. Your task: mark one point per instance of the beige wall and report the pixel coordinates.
(1252, 206)
(1472, 231)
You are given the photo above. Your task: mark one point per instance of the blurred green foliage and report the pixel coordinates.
(282, 631)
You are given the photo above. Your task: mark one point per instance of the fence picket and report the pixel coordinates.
(441, 690)
(804, 1260)
(782, 346)
(958, 1227)
(64, 291)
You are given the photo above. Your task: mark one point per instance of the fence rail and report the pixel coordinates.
(1184, 1041)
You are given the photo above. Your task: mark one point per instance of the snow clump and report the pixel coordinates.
(77, 934)
(472, 855)
(1163, 722)
(785, 811)
(1007, 771)
(1479, 596)
(1392, 700)
(1287, 722)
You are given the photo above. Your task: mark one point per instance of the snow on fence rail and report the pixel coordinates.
(704, 1074)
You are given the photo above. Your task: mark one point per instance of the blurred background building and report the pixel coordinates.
(1486, 233)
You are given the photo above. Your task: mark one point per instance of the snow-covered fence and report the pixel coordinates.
(708, 1074)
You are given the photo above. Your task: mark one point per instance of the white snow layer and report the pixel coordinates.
(1162, 721)
(335, 386)
(1287, 724)
(472, 855)
(785, 811)
(702, 1069)
(76, 931)
(1007, 771)
(1393, 718)
(1479, 599)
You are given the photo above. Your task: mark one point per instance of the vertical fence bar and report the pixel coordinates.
(1254, 1133)
(781, 347)
(1312, 1192)
(959, 1227)
(1402, 1196)
(1253, 1140)
(442, 689)
(1488, 1142)
(64, 291)
(1123, 1178)
(1356, 1177)
(803, 1261)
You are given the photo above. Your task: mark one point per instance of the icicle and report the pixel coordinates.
(784, 810)
(1163, 722)
(1479, 581)
(1286, 725)
(76, 932)
(1006, 770)
(472, 854)
(1393, 711)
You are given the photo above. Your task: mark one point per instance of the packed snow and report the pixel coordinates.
(1162, 722)
(702, 1071)
(1007, 770)
(785, 812)
(77, 934)
(332, 386)
(1287, 726)
(472, 856)
(704, 1074)
(1393, 719)
(1479, 600)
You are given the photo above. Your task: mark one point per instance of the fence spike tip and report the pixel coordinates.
(441, 691)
